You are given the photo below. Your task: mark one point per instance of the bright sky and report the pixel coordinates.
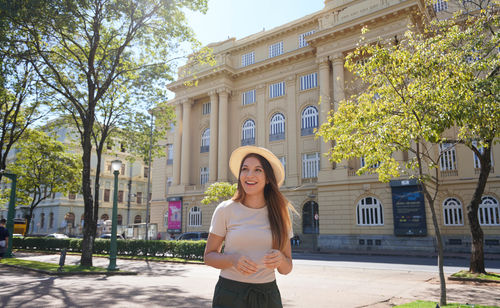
(239, 18)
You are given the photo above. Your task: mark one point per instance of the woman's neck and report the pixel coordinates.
(255, 202)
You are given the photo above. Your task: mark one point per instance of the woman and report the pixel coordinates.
(255, 225)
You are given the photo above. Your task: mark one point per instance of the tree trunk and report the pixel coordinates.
(442, 279)
(477, 248)
(89, 225)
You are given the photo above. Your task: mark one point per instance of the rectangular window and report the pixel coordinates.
(309, 81)
(206, 108)
(248, 97)
(120, 196)
(277, 89)
(302, 38)
(204, 175)
(440, 5)
(247, 59)
(139, 197)
(106, 194)
(362, 163)
(447, 160)
(170, 154)
(275, 49)
(146, 172)
(310, 165)
(477, 162)
(122, 170)
(71, 196)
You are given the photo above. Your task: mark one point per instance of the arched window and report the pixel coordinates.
(104, 217)
(488, 212)
(195, 217)
(277, 129)
(309, 120)
(205, 141)
(369, 212)
(452, 212)
(310, 218)
(70, 219)
(248, 133)
(137, 219)
(119, 220)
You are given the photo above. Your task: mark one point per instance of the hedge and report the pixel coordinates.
(190, 250)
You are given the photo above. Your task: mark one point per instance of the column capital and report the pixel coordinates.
(186, 101)
(212, 92)
(337, 57)
(290, 78)
(224, 90)
(323, 60)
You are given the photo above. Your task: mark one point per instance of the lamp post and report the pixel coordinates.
(116, 165)
(10, 213)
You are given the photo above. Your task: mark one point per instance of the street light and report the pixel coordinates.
(116, 165)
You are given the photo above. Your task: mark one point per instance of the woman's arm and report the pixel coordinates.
(213, 257)
(280, 260)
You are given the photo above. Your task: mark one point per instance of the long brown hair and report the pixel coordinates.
(277, 204)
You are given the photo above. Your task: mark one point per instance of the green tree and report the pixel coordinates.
(44, 166)
(219, 190)
(417, 88)
(87, 49)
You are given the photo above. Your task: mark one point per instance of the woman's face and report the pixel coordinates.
(252, 176)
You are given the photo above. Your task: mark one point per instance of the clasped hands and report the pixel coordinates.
(246, 266)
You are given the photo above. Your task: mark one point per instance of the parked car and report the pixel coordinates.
(108, 236)
(193, 236)
(57, 235)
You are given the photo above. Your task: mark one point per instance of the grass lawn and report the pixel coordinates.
(52, 267)
(424, 304)
(468, 275)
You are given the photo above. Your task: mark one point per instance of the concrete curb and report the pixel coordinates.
(112, 273)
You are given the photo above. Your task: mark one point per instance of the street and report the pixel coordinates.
(332, 281)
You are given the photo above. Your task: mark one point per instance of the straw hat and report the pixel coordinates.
(240, 153)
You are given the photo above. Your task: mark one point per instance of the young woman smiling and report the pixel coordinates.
(255, 228)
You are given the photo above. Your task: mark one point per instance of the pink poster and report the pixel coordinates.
(174, 216)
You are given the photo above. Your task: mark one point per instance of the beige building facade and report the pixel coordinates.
(273, 89)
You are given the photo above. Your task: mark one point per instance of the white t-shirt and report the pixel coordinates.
(247, 232)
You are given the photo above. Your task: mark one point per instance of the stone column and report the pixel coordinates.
(291, 120)
(177, 145)
(223, 155)
(324, 108)
(260, 121)
(338, 79)
(186, 136)
(214, 136)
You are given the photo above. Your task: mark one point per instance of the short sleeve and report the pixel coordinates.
(218, 226)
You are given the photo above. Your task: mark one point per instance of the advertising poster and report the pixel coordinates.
(408, 208)
(174, 215)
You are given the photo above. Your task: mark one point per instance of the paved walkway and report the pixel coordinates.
(329, 284)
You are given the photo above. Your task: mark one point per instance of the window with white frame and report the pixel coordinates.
(248, 133)
(309, 120)
(447, 159)
(363, 163)
(283, 162)
(310, 165)
(277, 129)
(440, 5)
(248, 97)
(477, 162)
(308, 81)
(452, 212)
(205, 141)
(248, 58)
(275, 49)
(489, 212)
(277, 89)
(204, 172)
(195, 217)
(206, 108)
(302, 38)
(170, 154)
(369, 212)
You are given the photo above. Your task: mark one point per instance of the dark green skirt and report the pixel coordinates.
(234, 294)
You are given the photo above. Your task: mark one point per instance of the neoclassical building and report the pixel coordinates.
(273, 89)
